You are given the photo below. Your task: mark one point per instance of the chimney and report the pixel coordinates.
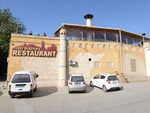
(88, 18)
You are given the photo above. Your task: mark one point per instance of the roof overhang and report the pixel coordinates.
(94, 28)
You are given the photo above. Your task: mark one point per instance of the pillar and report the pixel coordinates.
(62, 58)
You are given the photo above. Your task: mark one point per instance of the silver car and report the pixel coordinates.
(76, 83)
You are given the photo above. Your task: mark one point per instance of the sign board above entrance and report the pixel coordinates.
(31, 50)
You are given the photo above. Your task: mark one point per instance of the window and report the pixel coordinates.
(104, 46)
(140, 50)
(110, 46)
(21, 78)
(102, 77)
(115, 47)
(77, 79)
(133, 65)
(74, 45)
(92, 46)
(125, 47)
(96, 77)
(86, 46)
(109, 64)
(132, 48)
(80, 45)
(112, 78)
(96, 64)
(98, 46)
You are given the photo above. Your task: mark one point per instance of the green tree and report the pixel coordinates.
(8, 25)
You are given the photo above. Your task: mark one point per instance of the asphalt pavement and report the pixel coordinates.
(134, 98)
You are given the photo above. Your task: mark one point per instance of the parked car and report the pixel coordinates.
(106, 82)
(76, 83)
(23, 83)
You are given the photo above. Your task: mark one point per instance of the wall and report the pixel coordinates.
(97, 53)
(133, 60)
(46, 67)
(111, 53)
(91, 58)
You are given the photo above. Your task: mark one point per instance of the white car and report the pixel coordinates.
(76, 83)
(106, 82)
(22, 83)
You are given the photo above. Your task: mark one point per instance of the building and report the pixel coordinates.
(80, 49)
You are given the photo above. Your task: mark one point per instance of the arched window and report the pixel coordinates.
(104, 46)
(74, 45)
(98, 46)
(140, 50)
(86, 46)
(132, 48)
(80, 45)
(92, 46)
(116, 47)
(125, 47)
(110, 46)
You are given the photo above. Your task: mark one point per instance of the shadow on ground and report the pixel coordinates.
(44, 91)
(1, 93)
(40, 92)
(88, 90)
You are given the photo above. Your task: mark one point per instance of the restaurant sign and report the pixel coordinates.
(32, 50)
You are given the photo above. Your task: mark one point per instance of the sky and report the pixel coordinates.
(47, 16)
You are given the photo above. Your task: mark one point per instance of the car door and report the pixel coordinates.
(101, 81)
(95, 80)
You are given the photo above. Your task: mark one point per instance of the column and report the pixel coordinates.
(62, 58)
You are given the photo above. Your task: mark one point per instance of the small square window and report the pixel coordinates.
(109, 64)
(96, 64)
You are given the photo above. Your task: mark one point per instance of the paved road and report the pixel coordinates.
(135, 98)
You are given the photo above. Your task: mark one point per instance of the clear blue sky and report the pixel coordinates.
(47, 15)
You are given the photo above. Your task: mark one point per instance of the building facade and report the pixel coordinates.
(79, 49)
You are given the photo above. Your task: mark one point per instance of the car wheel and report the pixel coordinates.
(91, 84)
(31, 94)
(12, 96)
(69, 91)
(84, 91)
(121, 88)
(35, 89)
(104, 88)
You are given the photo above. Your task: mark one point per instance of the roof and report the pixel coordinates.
(23, 72)
(106, 74)
(95, 28)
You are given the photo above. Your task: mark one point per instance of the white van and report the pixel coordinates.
(22, 83)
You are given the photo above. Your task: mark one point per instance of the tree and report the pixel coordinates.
(8, 25)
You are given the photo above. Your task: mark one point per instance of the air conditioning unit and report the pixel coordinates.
(72, 62)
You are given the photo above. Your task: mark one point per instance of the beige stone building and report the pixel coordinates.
(79, 49)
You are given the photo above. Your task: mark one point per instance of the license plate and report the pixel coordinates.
(19, 86)
(77, 83)
(114, 83)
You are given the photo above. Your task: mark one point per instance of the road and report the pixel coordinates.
(134, 98)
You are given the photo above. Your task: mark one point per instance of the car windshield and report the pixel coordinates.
(21, 78)
(77, 79)
(112, 78)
